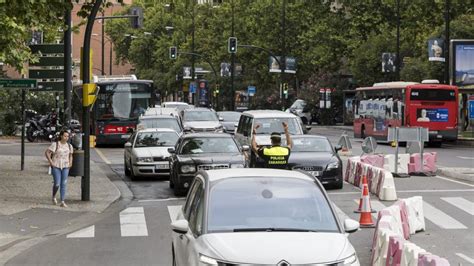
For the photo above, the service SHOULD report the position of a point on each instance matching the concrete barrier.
(381, 248)
(410, 254)
(429, 163)
(404, 218)
(395, 249)
(431, 260)
(380, 181)
(416, 218)
(402, 166)
(376, 160)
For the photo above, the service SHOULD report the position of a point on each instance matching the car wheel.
(171, 180)
(339, 184)
(178, 190)
(126, 170)
(132, 174)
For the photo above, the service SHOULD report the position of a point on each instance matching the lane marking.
(440, 218)
(158, 200)
(132, 222)
(466, 258)
(102, 156)
(465, 158)
(173, 212)
(461, 203)
(439, 190)
(87, 232)
(454, 181)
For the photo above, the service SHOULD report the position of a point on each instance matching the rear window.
(432, 95)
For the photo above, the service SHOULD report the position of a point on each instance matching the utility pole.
(103, 46)
(397, 65)
(67, 67)
(283, 44)
(192, 49)
(447, 7)
(85, 181)
(232, 65)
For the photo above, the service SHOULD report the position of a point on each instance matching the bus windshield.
(122, 101)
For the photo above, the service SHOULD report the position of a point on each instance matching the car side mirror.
(236, 125)
(308, 128)
(350, 226)
(128, 145)
(182, 226)
(245, 147)
(171, 150)
(338, 148)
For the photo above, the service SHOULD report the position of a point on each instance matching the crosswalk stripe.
(132, 222)
(87, 232)
(461, 203)
(440, 218)
(173, 212)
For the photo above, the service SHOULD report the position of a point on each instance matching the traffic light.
(137, 21)
(285, 90)
(232, 45)
(173, 52)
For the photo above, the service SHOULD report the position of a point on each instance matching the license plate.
(125, 136)
(162, 166)
(316, 173)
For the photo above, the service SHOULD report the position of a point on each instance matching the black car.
(316, 155)
(202, 151)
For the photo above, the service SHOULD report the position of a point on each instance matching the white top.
(60, 156)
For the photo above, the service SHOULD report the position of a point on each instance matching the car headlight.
(187, 168)
(237, 165)
(349, 261)
(205, 260)
(333, 165)
(145, 159)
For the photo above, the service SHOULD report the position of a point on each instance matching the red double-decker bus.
(408, 104)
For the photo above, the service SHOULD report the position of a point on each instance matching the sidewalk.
(26, 209)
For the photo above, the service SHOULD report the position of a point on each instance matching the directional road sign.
(17, 83)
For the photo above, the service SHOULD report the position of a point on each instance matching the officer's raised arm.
(254, 141)
(289, 144)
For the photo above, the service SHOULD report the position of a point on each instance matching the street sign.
(47, 48)
(471, 108)
(49, 61)
(17, 83)
(251, 90)
(50, 86)
(46, 73)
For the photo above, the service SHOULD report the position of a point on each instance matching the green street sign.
(50, 86)
(49, 61)
(47, 48)
(18, 83)
(46, 73)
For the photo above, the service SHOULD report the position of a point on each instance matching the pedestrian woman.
(59, 155)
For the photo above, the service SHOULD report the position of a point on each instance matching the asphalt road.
(448, 204)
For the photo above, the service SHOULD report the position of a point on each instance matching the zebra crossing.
(133, 221)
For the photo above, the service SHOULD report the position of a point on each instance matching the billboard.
(432, 115)
(462, 64)
(436, 50)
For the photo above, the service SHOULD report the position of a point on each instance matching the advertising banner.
(471, 107)
(436, 50)
(241, 99)
(290, 65)
(388, 62)
(464, 63)
(432, 115)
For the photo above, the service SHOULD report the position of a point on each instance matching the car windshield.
(200, 116)
(156, 139)
(269, 125)
(230, 116)
(161, 123)
(311, 145)
(298, 104)
(250, 203)
(209, 145)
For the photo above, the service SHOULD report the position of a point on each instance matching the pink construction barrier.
(410, 254)
(395, 249)
(429, 163)
(404, 215)
(431, 260)
(373, 159)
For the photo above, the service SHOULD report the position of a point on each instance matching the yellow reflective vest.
(275, 156)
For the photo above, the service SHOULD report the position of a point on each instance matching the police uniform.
(275, 156)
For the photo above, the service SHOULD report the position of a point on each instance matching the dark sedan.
(202, 151)
(316, 155)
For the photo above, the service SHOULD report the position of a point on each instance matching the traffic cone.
(364, 182)
(365, 220)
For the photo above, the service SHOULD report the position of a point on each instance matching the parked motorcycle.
(42, 127)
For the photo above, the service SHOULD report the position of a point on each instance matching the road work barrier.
(395, 224)
(429, 163)
(380, 181)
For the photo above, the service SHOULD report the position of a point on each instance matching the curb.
(453, 174)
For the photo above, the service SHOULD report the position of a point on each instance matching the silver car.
(260, 217)
(201, 120)
(146, 152)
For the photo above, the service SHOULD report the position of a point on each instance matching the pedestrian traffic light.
(232, 45)
(173, 52)
(137, 19)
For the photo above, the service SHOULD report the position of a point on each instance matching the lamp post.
(232, 64)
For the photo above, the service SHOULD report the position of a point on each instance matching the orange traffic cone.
(365, 220)
(359, 210)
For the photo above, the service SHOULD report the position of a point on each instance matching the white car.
(260, 217)
(146, 152)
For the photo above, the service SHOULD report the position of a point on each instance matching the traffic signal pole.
(85, 181)
(67, 68)
(232, 66)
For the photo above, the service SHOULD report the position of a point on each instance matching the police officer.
(275, 156)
